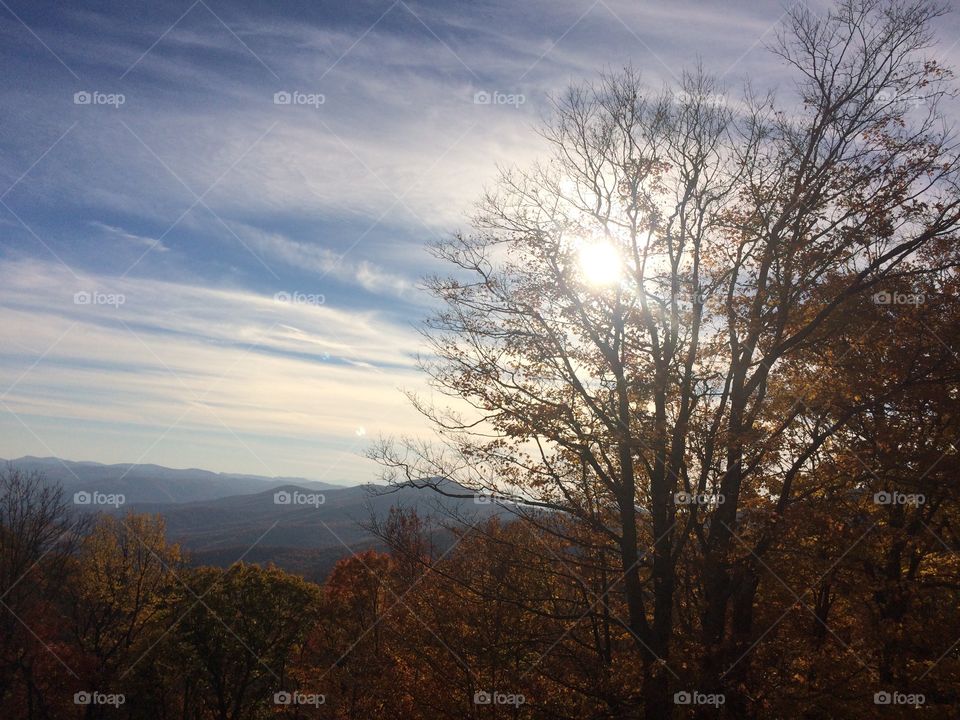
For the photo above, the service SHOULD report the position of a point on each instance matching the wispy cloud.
(170, 362)
(325, 261)
(333, 198)
(116, 232)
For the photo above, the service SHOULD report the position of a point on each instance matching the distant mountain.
(335, 518)
(300, 525)
(293, 528)
(154, 483)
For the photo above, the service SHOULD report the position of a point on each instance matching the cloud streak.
(172, 361)
(200, 365)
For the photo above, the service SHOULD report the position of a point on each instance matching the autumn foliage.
(727, 464)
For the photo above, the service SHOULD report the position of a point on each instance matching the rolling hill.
(300, 525)
(304, 538)
(153, 483)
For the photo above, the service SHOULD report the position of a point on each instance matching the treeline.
(102, 618)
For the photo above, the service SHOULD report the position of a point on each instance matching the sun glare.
(600, 263)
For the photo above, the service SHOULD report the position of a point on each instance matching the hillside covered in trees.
(701, 358)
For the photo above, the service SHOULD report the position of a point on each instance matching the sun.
(600, 263)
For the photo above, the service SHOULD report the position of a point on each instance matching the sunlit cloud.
(160, 358)
(199, 198)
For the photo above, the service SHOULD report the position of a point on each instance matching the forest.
(704, 354)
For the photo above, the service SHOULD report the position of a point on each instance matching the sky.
(213, 215)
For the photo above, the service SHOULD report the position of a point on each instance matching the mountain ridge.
(219, 518)
(148, 482)
(296, 534)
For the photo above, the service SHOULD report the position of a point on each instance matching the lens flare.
(600, 263)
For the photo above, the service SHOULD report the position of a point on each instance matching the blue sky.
(198, 198)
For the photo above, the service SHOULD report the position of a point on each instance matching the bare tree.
(38, 537)
(616, 324)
